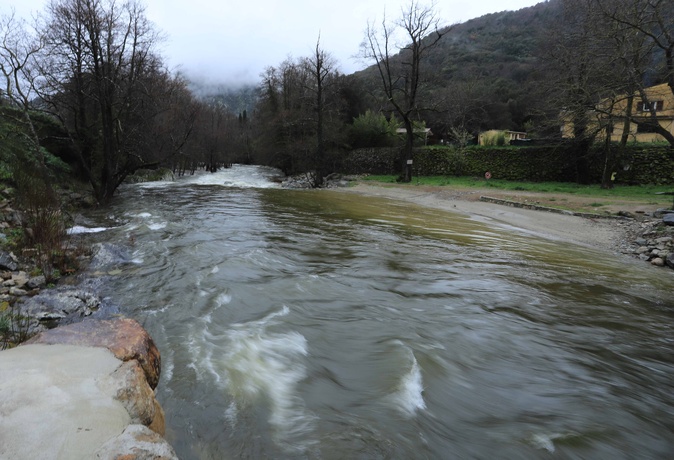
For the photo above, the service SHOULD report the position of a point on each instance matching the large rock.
(137, 442)
(69, 392)
(668, 219)
(130, 387)
(52, 403)
(7, 262)
(53, 307)
(124, 337)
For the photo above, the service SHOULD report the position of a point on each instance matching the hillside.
(487, 71)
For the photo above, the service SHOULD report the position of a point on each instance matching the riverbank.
(610, 233)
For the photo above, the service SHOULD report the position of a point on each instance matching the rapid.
(329, 325)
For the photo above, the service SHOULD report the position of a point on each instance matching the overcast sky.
(232, 41)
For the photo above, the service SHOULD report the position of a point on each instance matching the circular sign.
(487, 175)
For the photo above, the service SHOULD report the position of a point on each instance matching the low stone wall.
(84, 390)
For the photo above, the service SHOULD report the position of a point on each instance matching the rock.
(58, 305)
(36, 282)
(20, 279)
(669, 260)
(130, 386)
(642, 250)
(108, 255)
(52, 403)
(125, 337)
(658, 262)
(668, 219)
(663, 212)
(137, 442)
(17, 291)
(158, 424)
(8, 262)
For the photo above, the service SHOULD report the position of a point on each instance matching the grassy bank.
(560, 195)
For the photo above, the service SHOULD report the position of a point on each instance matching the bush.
(372, 130)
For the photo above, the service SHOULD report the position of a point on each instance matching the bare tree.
(321, 68)
(643, 29)
(98, 62)
(579, 60)
(19, 45)
(401, 75)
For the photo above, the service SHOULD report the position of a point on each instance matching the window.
(645, 128)
(655, 105)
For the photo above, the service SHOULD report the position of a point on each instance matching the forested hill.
(488, 69)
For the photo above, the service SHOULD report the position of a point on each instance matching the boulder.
(108, 255)
(130, 387)
(668, 219)
(52, 403)
(658, 262)
(36, 282)
(7, 262)
(20, 279)
(53, 307)
(137, 442)
(124, 337)
(670, 260)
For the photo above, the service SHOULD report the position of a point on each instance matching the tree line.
(92, 66)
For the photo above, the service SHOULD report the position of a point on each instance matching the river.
(329, 325)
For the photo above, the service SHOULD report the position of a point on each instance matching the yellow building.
(496, 136)
(611, 114)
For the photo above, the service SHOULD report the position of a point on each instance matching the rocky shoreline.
(72, 375)
(649, 237)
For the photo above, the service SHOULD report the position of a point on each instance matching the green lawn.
(639, 192)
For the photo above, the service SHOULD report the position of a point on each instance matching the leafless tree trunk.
(401, 74)
(320, 67)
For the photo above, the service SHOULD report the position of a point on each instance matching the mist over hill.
(490, 64)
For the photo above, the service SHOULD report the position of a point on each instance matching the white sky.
(227, 41)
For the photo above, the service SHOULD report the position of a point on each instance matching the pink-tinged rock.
(137, 442)
(130, 387)
(124, 337)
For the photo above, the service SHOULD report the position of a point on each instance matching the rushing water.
(328, 325)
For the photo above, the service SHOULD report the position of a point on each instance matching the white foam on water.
(546, 441)
(78, 230)
(408, 395)
(542, 441)
(411, 391)
(223, 299)
(267, 366)
(157, 226)
(237, 176)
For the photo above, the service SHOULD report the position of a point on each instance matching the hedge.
(638, 164)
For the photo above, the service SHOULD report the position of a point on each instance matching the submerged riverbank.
(614, 234)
